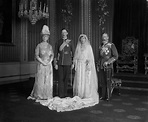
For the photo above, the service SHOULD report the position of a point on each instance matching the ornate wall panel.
(33, 34)
(86, 18)
(51, 22)
(74, 25)
(34, 37)
(10, 52)
(96, 29)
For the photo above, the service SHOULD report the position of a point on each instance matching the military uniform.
(107, 53)
(64, 51)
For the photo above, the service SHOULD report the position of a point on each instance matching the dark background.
(130, 20)
(5, 21)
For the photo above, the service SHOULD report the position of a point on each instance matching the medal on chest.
(104, 50)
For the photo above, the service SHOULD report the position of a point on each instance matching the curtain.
(130, 20)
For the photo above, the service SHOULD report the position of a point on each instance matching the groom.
(64, 52)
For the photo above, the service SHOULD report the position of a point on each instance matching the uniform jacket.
(64, 56)
(107, 52)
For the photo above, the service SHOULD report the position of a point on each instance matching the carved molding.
(102, 13)
(67, 13)
(52, 22)
(86, 17)
(13, 26)
(24, 41)
(20, 71)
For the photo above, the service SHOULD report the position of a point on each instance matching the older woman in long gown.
(43, 86)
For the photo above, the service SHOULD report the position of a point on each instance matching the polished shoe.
(107, 99)
(101, 98)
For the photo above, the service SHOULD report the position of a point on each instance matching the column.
(24, 41)
(86, 17)
(52, 21)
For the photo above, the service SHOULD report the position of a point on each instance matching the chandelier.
(33, 11)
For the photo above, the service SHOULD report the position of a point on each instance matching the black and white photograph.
(73, 60)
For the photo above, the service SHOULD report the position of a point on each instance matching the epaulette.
(109, 44)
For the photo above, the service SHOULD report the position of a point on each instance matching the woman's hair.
(64, 29)
(83, 35)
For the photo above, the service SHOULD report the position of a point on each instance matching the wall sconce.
(32, 11)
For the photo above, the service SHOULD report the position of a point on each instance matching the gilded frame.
(7, 25)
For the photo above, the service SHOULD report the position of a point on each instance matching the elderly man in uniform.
(107, 56)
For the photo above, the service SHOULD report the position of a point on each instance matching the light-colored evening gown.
(43, 86)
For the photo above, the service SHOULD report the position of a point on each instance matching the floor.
(130, 106)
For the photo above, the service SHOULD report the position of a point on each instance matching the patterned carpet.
(14, 107)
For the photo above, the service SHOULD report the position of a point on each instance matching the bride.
(85, 81)
(85, 87)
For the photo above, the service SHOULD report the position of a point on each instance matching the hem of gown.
(67, 104)
(37, 98)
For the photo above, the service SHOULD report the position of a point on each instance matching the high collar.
(104, 44)
(64, 39)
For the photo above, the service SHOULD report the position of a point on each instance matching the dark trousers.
(105, 82)
(64, 75)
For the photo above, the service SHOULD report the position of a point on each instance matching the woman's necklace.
(44, 44)
(82, 47)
